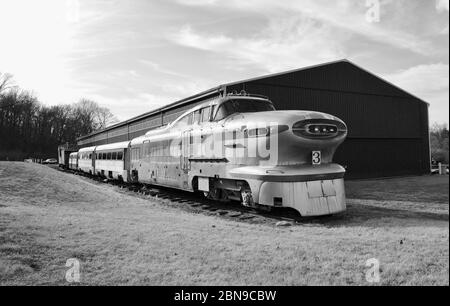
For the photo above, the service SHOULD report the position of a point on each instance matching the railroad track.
(196, 203)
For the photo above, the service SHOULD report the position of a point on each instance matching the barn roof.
(220, 88)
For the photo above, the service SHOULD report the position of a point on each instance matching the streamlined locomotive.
(238, 147)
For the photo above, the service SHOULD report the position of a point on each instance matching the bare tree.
(28, 128)
(6, 82)
(439, 142)
(104, 118)
(93, 115)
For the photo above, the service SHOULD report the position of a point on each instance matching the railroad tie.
(245, 217)
(235, 214)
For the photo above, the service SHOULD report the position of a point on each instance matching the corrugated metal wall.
(138, 127)
(388, 128)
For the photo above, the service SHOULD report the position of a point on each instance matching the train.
(64, 152)
(235, 147)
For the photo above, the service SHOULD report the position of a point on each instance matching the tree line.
(439, 143)
(29, 129)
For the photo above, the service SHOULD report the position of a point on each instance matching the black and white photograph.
(220, 151)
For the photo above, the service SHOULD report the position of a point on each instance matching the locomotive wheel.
(216, 195)
(247, 201)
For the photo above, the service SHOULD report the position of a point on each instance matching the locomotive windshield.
(242, 106)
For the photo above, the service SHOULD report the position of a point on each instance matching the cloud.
(422, 78)
(428, 82)
(158, 68)
(283, 44)
(127, 107)
(197, 2)
(343, 16)
(187, 37)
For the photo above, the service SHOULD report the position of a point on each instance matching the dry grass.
(427, 188)
(48, 216)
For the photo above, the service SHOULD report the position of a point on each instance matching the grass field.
(47, 216)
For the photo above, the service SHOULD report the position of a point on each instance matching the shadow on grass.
(375, 216)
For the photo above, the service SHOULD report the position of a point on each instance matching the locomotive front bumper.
(311, 190)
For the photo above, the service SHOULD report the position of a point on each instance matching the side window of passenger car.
(114, 155)
(119, 155)
(108, 156)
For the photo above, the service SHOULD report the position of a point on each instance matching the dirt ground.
(48, 216)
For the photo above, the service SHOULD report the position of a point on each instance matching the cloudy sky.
(135, 55)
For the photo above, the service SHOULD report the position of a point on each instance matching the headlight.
(317, 128)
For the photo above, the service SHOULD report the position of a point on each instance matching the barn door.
(186, 151)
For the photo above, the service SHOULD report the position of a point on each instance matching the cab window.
(230, 107)
(205, 114)
(197, 116)
(221, 113)
(185, 121)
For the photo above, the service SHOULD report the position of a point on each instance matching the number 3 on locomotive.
(316, 157)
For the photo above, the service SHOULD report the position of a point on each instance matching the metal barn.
(388, 127)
